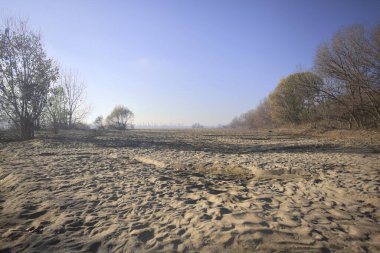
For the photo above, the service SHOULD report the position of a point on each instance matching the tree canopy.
(295, 98)
(120, 118)
(343, 90)
(26, 73)
(350, 66)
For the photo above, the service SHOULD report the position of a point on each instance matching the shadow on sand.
(187, 140)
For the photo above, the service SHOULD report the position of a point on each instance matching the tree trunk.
(350, 123)
(37, 124)
(70, 120)
(55, 126)
(27, 129)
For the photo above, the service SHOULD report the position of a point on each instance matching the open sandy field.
(190, 191)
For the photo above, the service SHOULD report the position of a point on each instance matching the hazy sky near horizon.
(181, 62)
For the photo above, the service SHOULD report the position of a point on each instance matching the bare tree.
(350, 66)
(239, 121)
(99, 122)
(120, 118)
(75, 97)
(56, 109)
(197, 125)
(261, 116)
(26, 74)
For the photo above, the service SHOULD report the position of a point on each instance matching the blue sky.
(181, 62)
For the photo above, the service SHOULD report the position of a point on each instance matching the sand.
(188, 191)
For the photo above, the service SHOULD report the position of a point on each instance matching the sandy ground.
(189, 191)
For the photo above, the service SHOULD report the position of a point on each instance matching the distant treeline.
(342, 90)
(35, 93)
(120, 118)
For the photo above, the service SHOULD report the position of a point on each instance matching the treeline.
(120, 118)
(65, 108)
(342, 90)
(35, 93)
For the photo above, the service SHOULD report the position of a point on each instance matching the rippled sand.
(189, 191)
